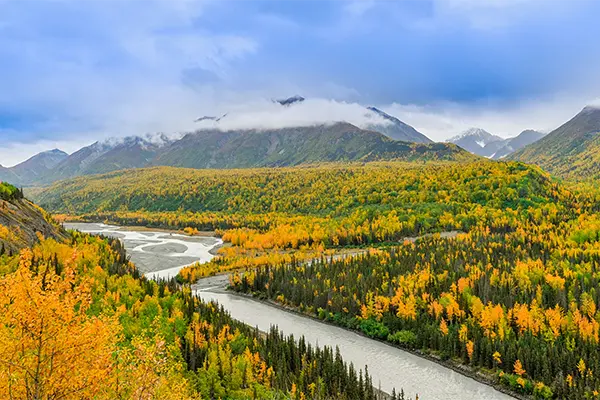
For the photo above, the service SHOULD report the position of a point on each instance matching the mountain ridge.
(33, 168)
(481, 142)
(396, 129)
(214, 148)
(511, 145)
(572, 150)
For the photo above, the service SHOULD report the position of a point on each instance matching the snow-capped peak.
(478, 136)
(475, 133)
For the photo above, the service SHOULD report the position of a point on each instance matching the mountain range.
(212, 148)
(571, 151)
(483, 143)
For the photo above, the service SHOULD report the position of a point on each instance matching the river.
(161, 254)
(158, 254)
(389, 366)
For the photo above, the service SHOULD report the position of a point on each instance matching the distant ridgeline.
(216, 149)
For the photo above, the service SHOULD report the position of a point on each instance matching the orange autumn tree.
(49, 347)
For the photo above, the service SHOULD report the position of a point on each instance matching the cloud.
(264, 114)
(111, 68)
(78, 71)
(175, 111)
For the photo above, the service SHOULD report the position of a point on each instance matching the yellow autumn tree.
(49, 347)
(150, 371)
(518, 368)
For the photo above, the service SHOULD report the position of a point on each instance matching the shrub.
(404, 338)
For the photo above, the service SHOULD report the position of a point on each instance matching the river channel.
(163, 254)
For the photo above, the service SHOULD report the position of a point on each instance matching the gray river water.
(163, 254)
(157, 254)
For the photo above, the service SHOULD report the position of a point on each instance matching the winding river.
(163, 254)
(158, 254)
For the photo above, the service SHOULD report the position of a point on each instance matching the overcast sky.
(75, 71)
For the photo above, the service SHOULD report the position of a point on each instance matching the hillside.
(327, 190)
(21, 221)
(78, 321)
(570, 151)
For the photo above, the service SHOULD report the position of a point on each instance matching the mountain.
(509, 146)
(290, 100)
(393, 128)
(475, 140)
(396, 129)
(572, 150)
(34, 168)
(111, 155)
(7, 175)
(292, 146)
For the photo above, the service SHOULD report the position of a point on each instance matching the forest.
(270, 215)
(490, 265)
(78, 321)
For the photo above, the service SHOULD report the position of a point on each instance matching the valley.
(299, 200)
(291, 222)
(411, 372)
(447, 269)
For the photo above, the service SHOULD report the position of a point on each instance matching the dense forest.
(78, 321)
(517, 298)
(491, 265)
(270, 215)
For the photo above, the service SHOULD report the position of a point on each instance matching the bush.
(9, 192)
(374, 329)
(404, 338)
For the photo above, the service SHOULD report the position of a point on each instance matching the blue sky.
(74, 71)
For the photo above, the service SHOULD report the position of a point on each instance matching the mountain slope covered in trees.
(570, 151)
(304, 210)
(294, 146)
